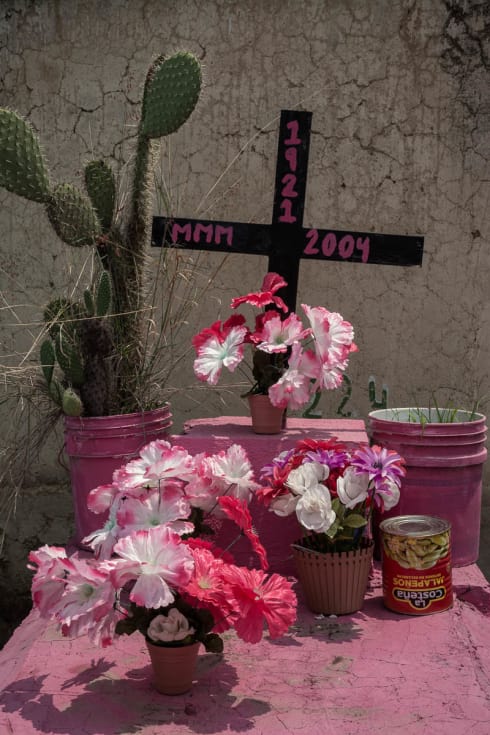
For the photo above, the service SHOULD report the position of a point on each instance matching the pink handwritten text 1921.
(288, 181)
(346, 246)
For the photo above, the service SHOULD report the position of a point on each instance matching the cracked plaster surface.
(400, 144)
(399, 93)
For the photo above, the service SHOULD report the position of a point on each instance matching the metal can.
(416, 564)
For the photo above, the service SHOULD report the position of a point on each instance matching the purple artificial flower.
(280, 461)
(382, 465)
(333, 458)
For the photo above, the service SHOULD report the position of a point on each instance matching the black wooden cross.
(286, 241)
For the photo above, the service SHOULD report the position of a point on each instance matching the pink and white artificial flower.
(88, 588)
(277, 335)
(165, 506)
(334, 336)
(295, 387)
(52, 566)
(228, 472)
(156, 560)
(219, 351)
(102, 497)
(231, 473)
(158, 461)
(103, 539)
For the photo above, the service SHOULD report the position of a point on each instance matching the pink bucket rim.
(81, 422)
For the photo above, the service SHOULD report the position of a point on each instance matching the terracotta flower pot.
(173, 667)
(334, 583)
(266, 418)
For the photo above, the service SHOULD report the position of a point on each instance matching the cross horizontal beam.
(303, 242)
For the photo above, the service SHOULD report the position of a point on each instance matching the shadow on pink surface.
(106, 704)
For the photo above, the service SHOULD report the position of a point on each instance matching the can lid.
(415, 526)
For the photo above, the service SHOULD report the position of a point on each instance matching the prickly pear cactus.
(88, 340)
(22, 167)
(72, 216)
(80, 349)
(101, 188)
(171, 94)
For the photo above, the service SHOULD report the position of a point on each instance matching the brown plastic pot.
(334, 583)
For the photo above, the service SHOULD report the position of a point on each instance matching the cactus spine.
(98, 345)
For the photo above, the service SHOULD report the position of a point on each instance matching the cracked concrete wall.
(400, 102)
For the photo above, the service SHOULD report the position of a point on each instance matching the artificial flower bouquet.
(155, 567)
(291, 362)
(332, 488)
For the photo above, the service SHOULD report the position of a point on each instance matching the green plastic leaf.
(354, 520)
(333, 529)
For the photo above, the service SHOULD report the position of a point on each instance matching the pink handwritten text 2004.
(346, 246)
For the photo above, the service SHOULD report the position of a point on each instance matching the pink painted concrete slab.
(375, 673)
(277, 534)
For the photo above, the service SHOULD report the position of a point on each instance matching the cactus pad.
(71, 403)
(69, 359)
(171, 94)
(101, 188)
(22, 167)
(72, 216)
(47, 356)
(103, 297)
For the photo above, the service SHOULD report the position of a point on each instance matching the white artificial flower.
(171, 627)
(389, 493)
(307, 476)
(314, 509)
(284, 505)
(352, 488)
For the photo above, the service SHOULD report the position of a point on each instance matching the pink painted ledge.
(375, 673)
(277, 534)
(372, 673)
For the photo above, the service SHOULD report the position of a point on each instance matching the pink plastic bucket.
(444, 470)
(96, 446)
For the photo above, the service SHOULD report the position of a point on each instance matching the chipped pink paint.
(373, 673)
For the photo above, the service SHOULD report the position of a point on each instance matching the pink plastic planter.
(444, 471)
(97, 446)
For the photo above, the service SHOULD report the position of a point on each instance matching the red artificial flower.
(260, 598)
(271, 283)
(218, 330)
(239, 513)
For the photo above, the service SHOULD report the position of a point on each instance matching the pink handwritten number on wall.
(288, 191)
(346, 245)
